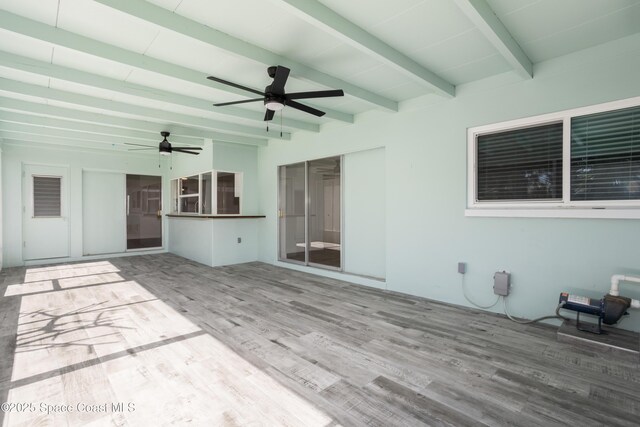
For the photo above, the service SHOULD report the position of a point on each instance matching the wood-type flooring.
(161, 340)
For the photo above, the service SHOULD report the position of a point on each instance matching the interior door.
(144, 211)
(45, 210)
(291, 213)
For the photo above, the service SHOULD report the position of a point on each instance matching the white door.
(45, 212)
(103, 213)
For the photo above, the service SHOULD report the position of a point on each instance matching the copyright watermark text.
(62, 408)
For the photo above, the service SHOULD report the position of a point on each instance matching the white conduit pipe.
(615, 286)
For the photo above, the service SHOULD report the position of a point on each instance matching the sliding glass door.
(144, 212)
(310, 213)
(291, 213)
(324, 212)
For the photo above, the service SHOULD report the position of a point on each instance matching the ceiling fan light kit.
(274, 96)
(273, 105)
(165, 146)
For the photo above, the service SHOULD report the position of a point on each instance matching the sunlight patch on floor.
(64, 271)
(28, 288)
(87, 344)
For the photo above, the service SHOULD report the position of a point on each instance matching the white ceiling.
(92, 56)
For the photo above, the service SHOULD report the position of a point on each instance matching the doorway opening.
(144, 212)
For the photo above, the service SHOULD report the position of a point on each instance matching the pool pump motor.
(609, 309)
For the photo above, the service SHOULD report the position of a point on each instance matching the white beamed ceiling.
(435, 34)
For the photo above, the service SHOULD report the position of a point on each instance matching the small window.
(189, 186)
(521, 164)
(189, 191)
(213, 192)
(46, 196)
(605, 156)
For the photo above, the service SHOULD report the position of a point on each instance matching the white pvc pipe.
(615, 283)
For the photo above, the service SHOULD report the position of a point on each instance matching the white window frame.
(213, 195)
(186, 196)
(565, 208)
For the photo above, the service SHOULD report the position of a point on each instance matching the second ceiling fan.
(274, 96)
(165, 148)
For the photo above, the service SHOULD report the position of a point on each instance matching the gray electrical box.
(462, 267)
(501, 283)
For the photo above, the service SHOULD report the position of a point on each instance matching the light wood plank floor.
(179, 343)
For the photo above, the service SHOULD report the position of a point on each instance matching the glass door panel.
(291, 213)
(324, 212)
(144, 212)
(228, 202)
(205, 194)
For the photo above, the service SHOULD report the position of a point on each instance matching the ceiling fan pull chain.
(281, 114)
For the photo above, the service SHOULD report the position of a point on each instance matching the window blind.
(521, 164)
(605, 156)
(46, 196)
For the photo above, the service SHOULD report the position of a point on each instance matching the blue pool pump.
(609, 309)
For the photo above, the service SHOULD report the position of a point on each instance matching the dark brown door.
(144, 211)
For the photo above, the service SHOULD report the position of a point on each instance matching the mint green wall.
(216, 155)
(427, 232)
(191, 238)
(188, 164)
(76, 159)
(214, 242)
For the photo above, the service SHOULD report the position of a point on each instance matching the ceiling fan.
(165, 147)
(274, 96)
